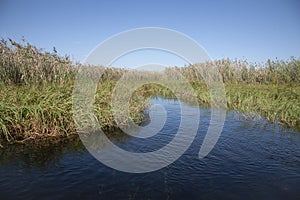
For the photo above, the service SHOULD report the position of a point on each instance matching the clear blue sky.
(256, 30)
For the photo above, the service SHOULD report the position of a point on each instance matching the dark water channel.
(251, 160)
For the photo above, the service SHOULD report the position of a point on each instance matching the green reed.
(36, 91)
(33, 112)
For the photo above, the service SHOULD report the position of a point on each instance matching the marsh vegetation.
(36, 91)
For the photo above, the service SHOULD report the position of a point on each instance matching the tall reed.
(36, 90)
(26, 64)
(239, 71)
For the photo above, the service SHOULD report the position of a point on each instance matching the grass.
(36, 91)
(276, 103)
(33, 112)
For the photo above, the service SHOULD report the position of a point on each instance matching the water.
(251, 160)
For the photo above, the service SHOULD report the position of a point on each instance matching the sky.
(252, 30)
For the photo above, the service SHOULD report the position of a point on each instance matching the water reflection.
(42, 154)
(252, 160)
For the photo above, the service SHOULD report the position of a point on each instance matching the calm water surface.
(252, 160)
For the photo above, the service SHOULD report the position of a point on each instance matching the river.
(252, 159)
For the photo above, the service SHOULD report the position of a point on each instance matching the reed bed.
(36, 91)
(276, 103)
(26, 64)
(34, 112)
(239, 71)
(36, 94)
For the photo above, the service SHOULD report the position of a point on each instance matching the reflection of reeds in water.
(49, 150)
(40, 154)
(37, 86)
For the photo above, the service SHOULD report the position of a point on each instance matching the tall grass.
(36, 94)
(33, 112)
(26, 64)
(239, 71)
(270, 90)
(36, 91)
(277, 103)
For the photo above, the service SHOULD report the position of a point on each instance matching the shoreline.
(36, 91)
(41, 116)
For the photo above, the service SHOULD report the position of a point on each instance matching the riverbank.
(36, 92)
(36, 112)
(32, 112)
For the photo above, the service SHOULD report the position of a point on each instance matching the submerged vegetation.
(36, 91)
